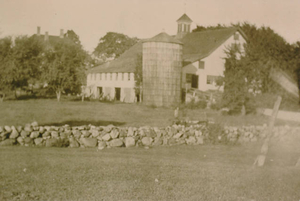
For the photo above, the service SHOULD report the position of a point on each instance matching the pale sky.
(92, 19)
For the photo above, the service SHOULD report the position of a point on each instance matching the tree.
(70, 34)
(64, 67)
(112, 45)
(20, 62)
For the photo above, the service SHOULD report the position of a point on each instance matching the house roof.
(196, 46)
(184, 18)
(163, 37)
(50, 37)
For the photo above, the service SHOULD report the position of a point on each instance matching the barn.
(170, 63)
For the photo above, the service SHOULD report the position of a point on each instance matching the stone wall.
(112, 136)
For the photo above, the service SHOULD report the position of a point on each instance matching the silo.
(162, 67)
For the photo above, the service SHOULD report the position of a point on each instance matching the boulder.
(76, 133)
(46, 134)
(108, 128)
(28, 128)
(158, 141)
(20, 140)
(101, 145)
(191, 140)
(89, 142)
(114, 133)
(116, 143)
(106, 137)
(130, 132)
(24, 133)
(1, 129)
(200, 140)
(95, 133)
(54, 134)
(73, 143)
(38, 141)
(151, 133)
(52, 142)
(14, 134)
(34, 124)
(147, 141)
(122, 132)
(85, 133)
(7, 128)
(129, 142)
(34, 134)
(178, 135)
(165, 141)
(28, 141)
(8, 142)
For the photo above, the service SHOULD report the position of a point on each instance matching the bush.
(216, 134)
(201, 104)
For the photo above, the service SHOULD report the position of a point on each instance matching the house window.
(188, 78)
(184, 27)
(201, 64)
(211, 79)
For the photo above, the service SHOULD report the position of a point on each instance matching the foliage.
(216, 134)
(64, 66)
(201, 104)
(20, 62)
(112, 45)
(70, 34)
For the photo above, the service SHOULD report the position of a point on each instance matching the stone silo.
(162, 67)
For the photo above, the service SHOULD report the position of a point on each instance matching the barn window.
(201, 64)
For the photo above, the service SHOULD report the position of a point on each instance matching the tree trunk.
(58, 94)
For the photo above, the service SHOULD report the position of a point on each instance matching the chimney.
(46, 36)
(38, 33)
(61, 33)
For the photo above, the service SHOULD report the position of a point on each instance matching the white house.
(202, 62)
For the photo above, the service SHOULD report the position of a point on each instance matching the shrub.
(216, 134)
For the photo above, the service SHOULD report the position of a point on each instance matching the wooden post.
(260, 160)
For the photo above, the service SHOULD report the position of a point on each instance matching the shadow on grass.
(81, 123)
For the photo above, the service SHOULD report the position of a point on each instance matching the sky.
(92, 19)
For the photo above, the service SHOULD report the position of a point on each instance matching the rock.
(198, 133)
(114, 133)
(73, 143)
(106, 137)
(20, 140)
(165, 141)
(89, 142)
(46, 134)
(172, 141)
(108, 128)
(130, 132)
(28, 128)
(38, 141)
(129, 142)
(52, 142)
(42, 129)
(1, 129)
(54, 134)
(85, 133)
(28, 141)
(95, 133)
(101, 145)
(191, 140)
(147, 141)
(24, 133)
(200, 140)
(76, 134)
(158, 141)
(116, 143)
(34, 134)
(63, 142)
(8, 142)
(7, 128)
(122, 132)
(14, 134)
(178, 135)
(34, 124)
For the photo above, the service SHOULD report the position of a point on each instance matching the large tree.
(112, 45)
(20, 61)
(64, 67)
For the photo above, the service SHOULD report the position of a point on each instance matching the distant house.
(201, 57)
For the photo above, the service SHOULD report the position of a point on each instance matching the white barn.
(202, 62)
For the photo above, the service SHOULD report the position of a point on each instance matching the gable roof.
(196, 46)
(184, 18)
(124, 64)
(163, 37)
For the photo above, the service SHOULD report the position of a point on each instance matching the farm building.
(170, 64)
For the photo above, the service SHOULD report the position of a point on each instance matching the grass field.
(51, 112)
(161, 173)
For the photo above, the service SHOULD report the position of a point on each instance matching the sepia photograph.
(150, 100)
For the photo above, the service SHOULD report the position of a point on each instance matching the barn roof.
(163, 37)
(196, 46)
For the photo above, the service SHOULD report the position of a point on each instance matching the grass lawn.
(51, 112)
(161, 173)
